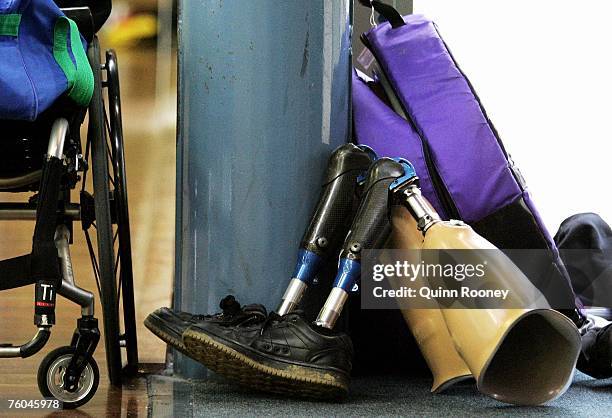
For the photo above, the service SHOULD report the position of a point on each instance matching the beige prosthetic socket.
(519, 356)
(427, 325)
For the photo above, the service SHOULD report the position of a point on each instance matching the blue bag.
(42, 56)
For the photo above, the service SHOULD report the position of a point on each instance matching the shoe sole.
(172, 340)
(291, 379)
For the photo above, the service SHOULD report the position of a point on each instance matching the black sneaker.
(285, 355)
(596, 355)
(169, 324)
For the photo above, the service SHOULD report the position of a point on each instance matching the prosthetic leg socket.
(506, 350)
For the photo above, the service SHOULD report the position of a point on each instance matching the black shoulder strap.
(386, 11)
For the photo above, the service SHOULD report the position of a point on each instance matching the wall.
(263, 101)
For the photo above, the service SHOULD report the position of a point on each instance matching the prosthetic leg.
(330, 220)
(370, 228)
(326, 229)
(505, 349)
(427, 325)
(289, 354)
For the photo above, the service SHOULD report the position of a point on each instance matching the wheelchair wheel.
(51, 378)
(122, 217)
(105, 212)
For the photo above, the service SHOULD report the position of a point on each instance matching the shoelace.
(275, 318)
(231, 307)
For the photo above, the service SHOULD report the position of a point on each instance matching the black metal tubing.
(17, 211)
(82, 297)
(20, 181)
(35, 344)
(28, 349)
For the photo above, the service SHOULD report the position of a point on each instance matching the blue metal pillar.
(263, 100)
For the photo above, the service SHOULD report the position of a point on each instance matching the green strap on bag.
(80, 77)
(9, 24)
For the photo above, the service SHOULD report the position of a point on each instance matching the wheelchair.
(46, 159)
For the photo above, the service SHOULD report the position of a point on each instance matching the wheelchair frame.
(105, 212)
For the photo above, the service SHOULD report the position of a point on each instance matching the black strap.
(386, 11)
(44, 261)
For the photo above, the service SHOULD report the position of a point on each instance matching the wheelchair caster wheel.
(51, 378)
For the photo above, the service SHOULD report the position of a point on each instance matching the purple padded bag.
(368, 106)
(465, 171)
